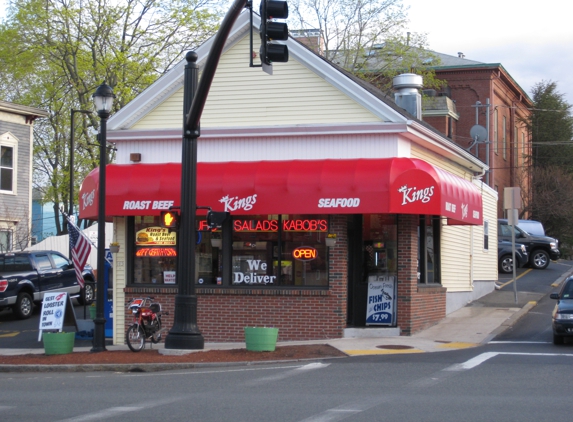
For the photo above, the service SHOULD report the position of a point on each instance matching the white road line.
(199, 371)
(346, 410)
(286, 374)
(479, 359)
(115, 411)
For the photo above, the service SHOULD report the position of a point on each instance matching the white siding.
(119, 277)
(464, 259)
(256, 149)
(244, 96)
(439, 161)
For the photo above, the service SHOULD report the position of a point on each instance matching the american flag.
(81, 249)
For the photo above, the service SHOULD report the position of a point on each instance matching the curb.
(508, 323)
(147, 367)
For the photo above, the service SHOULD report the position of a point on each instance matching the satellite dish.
(478, 133)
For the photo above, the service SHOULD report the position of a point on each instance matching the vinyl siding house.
(16, 145)
(305, 155)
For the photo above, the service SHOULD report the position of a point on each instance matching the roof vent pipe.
(407, 93)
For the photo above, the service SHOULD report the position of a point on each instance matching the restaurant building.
(347, 213)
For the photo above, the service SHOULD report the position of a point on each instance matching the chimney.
(407, 93)
(461, 55)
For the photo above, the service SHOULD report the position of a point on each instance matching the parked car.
(541, 249)
(532, 227)
(25, 277)
(505, 256)
(562, 317)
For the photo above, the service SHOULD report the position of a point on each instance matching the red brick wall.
(418, 306)
(308, 314)
(298, 314)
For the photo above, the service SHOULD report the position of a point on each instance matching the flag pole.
(82, 233)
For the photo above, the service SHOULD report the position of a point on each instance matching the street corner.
(389, 349)
(456, 345)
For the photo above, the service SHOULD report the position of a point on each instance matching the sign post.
(512, 202)
(55, 313)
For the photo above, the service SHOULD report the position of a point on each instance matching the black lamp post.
(103, 101)
(185, 333)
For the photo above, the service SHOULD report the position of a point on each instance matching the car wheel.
(87, 294)
(558, 339)
(539, 259)
(24, 306)
(506, 264)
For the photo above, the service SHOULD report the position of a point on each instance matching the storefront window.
(429, 250)
(380, 247)
(280, 250)
(265, 251)
(155, 252)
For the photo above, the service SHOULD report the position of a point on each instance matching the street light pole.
(103, 100)
(185, 333)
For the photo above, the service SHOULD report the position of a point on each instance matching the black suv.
(541, 249)
(25, 277)
(505, 256)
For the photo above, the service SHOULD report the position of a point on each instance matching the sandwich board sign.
(57, 310)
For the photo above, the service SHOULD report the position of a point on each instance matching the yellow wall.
(244, 96)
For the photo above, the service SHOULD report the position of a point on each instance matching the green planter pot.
(58, 343)
(261, 339)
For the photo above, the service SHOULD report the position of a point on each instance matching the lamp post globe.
(103, 100)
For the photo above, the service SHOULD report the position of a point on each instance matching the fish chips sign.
(381, 303)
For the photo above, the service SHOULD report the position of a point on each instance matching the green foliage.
(551, 127)
(54, 54)
(368, 38)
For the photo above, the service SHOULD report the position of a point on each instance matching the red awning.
(358, 186)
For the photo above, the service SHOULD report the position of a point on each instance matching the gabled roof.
(31, 113)
(370, 98)
(362, 93)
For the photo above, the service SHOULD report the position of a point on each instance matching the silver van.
(532, 227)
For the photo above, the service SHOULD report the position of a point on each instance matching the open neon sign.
(304, 253)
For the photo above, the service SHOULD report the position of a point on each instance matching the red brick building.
(485, 94)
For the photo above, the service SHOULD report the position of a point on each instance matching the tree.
(54, 54)
(551, 127)
(552, 204)
(367, 38)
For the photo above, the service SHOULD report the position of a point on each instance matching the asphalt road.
(23, 334)
(519, 375)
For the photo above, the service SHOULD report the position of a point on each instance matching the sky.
(533, 40)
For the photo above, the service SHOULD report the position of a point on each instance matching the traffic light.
(169, 219)
(215, 219)
(273, 31)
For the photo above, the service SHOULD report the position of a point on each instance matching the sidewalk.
(470, 326)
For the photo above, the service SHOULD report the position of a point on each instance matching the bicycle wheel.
(135, 338)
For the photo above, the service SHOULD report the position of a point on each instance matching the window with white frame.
(523, 153)
(8, 157)
(5, 240)
(495, 132)
(504, 139)
(486, 235)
